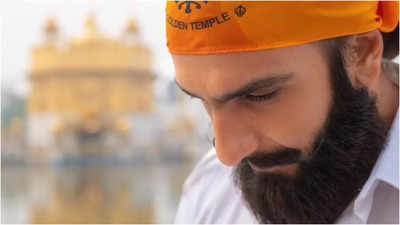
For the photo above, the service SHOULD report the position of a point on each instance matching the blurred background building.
(99, 134)
(86, 92)
(92, 98)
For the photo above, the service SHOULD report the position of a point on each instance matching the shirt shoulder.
(210, 196)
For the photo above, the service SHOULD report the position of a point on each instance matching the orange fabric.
(209, 27)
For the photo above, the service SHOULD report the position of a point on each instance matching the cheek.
(297, 116)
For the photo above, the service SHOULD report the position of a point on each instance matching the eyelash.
(261, 98)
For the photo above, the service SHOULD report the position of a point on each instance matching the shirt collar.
(387, 167)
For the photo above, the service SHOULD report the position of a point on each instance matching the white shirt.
(209, 195)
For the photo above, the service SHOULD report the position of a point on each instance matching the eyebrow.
(269, 82)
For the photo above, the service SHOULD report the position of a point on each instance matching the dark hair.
(391, 44)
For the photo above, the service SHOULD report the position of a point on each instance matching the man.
(303, 101)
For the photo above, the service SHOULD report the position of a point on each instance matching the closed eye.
(261, 98)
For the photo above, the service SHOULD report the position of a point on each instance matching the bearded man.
(303, 100)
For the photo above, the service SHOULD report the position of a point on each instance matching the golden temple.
(90, 83)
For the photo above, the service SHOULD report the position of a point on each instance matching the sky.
(22, 21)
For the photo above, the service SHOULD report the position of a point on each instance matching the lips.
(266, 161)
(268, 169)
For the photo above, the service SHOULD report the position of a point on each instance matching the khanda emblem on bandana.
(240, 11)
(188, 5)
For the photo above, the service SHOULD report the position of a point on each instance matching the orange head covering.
(209, 27)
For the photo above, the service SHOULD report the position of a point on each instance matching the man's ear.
(362, 56)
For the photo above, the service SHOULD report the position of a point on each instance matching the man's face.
(303, 141)
(261, 101)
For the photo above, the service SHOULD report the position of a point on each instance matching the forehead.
(212, 74)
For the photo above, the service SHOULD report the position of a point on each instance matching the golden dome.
(50, 27)
(90, 28)
(131, 26)
(90, 24)
(90, 31)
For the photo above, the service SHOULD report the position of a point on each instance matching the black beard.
(344, 153)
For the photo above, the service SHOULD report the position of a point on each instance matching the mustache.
(282, 156)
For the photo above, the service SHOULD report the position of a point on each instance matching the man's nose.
(234, 139)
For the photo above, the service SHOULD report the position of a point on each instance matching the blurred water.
(95, 194)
